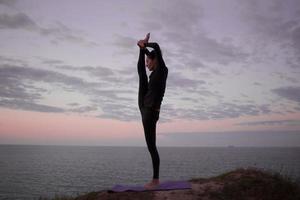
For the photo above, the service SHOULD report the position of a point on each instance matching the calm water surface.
(28, 172)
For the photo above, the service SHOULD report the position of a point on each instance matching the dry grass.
(253, 183)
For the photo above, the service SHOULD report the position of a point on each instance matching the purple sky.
(226, 59)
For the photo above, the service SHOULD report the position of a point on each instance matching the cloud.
(124, 41)
(208, 93)
(58, 32)
(114, 102)
(270, 123)
(123, 112)
(17, 73)
(291, 92)
(109, 77)
(17, 21)
(11, 60)
(28, 105)
(189, 11)
(221, 111)
(273, 24)
(99, 71)
(61, 32)
(73, 104)
(257, 83)
(211, 50)
(182, 39)
(51, 61)
(286, 77)
(82, 109)
(125, 45)
(18, 86)
(187, 36)
(268, 18)
(9, 3)
(13, 88)
(178, 81)
(155, 26)
(295, 38)
(18, 91)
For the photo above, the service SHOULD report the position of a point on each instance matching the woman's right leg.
(143, 79)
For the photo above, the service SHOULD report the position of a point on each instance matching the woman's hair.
(152, 55)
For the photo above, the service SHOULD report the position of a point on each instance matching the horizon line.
(78, 145)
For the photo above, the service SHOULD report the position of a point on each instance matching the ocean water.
(30, 172)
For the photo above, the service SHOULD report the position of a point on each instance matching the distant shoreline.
(228, 146)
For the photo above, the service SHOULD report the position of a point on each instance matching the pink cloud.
(17, 125)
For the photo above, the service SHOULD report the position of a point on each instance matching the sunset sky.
(68, 72)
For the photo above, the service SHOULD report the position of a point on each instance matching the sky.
(68, 72)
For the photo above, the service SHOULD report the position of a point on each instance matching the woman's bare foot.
(147, 38)
(153, 184)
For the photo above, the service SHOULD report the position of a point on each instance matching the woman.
(150, 97)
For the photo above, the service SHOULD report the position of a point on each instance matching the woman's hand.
(141, 43)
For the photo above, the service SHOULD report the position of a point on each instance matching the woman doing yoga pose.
(150, 97)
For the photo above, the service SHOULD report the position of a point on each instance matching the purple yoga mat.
(167, 185)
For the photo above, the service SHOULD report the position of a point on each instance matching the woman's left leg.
(150, 119)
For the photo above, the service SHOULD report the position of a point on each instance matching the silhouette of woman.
(150, 97)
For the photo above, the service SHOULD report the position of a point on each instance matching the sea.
(33, 171)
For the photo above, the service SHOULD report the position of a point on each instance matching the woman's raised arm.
(156, 47)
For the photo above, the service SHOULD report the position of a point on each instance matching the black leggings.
(149, 118)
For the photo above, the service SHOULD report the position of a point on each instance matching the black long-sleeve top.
(157, 79)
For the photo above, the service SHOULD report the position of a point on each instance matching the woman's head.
(151, 61)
